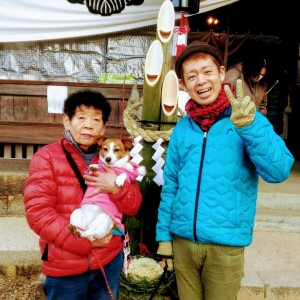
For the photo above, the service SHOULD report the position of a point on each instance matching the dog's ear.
(127, 143)
(101, 140)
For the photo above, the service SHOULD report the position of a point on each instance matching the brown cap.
(195, 47)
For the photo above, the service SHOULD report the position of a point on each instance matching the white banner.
(32, 20)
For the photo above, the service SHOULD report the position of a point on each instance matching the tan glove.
(165, 250)
(243, 109)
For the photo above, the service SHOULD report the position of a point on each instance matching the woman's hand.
(103, 242)
(103, 182)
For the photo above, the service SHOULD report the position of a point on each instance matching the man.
(252, 73)
(214, 158)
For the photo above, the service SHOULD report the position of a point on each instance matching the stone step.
(289, 186)
(15, 233)
(270, 286)
(269, 202)
(278, 220)
(284, 195)
(274, 200)
(272, 261)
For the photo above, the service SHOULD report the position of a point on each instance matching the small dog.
(97, 215)
(115, 153)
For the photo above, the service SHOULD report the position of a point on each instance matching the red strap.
(106, 281)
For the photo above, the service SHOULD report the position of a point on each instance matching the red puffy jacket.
(52, 192)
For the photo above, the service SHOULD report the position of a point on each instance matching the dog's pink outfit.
(103, 200)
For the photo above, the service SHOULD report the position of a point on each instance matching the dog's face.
(114, 151)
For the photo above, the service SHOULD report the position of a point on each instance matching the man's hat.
(195, 47)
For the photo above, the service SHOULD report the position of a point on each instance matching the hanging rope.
(135, 130)
(122, 107)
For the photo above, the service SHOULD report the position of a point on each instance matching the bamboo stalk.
(152, 110)
(167, 66)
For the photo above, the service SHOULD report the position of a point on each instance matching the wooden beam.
(39, 88)
(41, 133)
(14, 165)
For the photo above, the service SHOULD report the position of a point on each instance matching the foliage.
(133, 226)
(143, 279)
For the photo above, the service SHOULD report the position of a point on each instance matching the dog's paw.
(93, 167)
(141, 170)
(121, 179)
(74, 230)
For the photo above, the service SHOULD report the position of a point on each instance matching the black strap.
(84, 187)
(45, 253)
(75, 169)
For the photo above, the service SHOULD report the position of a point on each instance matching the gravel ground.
(20, 288)
(28, 288)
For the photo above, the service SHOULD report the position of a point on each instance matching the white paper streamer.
(157, 168)
(136, 149)
(159, 164)
(137, 159)
(158, 153)
(135, 156)
(157, 144)
(158, 179)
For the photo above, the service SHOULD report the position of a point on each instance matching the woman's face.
(260, 76)
(86, 126)
(202, 78)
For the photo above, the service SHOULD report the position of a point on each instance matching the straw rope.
(135, 130)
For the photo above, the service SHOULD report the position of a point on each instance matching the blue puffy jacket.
(211, 179)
